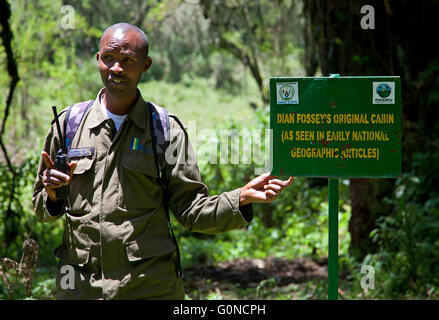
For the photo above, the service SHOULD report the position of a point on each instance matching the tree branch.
(6, 36)
(247, 61)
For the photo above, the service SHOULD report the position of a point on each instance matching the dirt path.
(249, 272)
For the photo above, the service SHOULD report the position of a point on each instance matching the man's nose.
(116, 67)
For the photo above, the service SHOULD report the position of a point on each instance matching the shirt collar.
(138, 114)
(97, 115)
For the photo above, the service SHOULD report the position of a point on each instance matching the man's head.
(122, 58)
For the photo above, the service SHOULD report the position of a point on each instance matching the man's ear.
(97, 56)
(148, 63)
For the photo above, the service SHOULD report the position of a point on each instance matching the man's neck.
(119, 105)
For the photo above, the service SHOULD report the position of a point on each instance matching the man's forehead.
(120, 38)
(118, 34)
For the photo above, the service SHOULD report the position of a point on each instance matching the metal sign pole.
(333, 240)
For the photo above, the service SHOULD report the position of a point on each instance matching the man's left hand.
(264, 188)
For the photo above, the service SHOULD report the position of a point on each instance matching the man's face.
(122, 60)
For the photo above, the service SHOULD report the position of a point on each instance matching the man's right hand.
(52, 178)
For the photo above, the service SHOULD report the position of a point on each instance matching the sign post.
(336, 127)
(333, 240)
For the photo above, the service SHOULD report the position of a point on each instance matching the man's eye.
(106, 58)
(127, 59)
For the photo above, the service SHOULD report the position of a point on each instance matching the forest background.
(211, 64)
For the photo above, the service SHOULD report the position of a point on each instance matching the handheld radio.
(61, 159)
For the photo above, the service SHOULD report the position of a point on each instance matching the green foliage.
(193, 99)
(45, 286)
(23, 222)
(408, 242)
(15, 229)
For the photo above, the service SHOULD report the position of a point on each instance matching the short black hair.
(124, 26)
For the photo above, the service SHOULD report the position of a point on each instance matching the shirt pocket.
(139, 188)
(71, 256)
(75, 260)
(153, 257)
(82, 186)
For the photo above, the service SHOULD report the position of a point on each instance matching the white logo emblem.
(383, 93)
(287, 93)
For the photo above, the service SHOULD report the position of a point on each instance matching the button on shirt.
(116, 235)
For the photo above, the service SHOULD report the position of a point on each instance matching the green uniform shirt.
(116, 236)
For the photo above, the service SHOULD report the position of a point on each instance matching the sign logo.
(383, 93)
(384, 90)
(287, 93)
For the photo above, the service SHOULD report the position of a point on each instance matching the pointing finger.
(47, 160)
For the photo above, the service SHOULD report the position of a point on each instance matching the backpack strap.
(159, 124)
(72, 120)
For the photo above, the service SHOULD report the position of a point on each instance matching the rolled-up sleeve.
(188, 196)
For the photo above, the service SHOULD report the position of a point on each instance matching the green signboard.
(336, 127)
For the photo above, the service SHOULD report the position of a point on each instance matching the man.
(116, 237)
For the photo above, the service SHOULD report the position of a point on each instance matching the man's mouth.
(115, 80)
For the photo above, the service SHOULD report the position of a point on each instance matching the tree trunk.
(367, 204)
